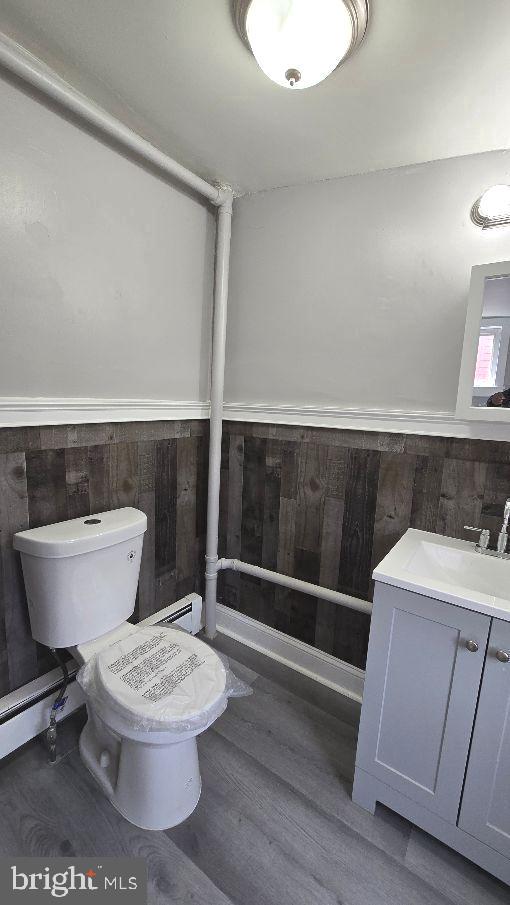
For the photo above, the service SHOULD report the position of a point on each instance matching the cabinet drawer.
(420, 696)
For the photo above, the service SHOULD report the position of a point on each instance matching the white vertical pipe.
(217, 385)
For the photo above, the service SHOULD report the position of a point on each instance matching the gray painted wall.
(353, 292)
(105, 269)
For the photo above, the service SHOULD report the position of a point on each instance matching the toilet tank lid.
(82, 535)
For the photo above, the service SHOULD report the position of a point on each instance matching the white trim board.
(309, 661)
(24, 411)
(440, 424)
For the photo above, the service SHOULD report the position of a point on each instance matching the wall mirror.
(484, 384)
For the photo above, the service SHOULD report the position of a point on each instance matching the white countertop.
(448, 569)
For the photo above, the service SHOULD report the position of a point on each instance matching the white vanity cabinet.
(434, 741)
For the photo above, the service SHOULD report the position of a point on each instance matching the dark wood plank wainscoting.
(48, 474)
(326, 505)
(323, 505)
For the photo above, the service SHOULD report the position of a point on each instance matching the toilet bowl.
(150, 690)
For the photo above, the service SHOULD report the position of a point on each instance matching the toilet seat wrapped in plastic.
(160, 679)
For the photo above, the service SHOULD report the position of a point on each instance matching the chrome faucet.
(503, 535)
(482, 546)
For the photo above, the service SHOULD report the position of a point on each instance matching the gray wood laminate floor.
(275, 824)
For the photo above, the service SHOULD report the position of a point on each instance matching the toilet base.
(154, 786)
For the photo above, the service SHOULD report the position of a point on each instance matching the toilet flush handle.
(104, 759)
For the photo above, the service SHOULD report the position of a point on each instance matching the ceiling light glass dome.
(298, 43)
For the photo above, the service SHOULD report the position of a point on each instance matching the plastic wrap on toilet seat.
(160, 678)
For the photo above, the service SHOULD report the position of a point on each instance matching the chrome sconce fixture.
(298, 43)
(492, 208)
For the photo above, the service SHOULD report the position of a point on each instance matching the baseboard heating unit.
(25, 712)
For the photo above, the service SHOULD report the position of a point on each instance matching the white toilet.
(150, 689)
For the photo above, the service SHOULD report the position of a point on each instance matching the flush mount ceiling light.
(298, 43)
(492, 208)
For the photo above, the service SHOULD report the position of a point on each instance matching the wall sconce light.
(298, 43)
(492, 208)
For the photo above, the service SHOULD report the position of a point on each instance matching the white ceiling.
(431, 80)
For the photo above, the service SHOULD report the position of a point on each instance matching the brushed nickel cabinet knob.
(503, 656)
(472, 646)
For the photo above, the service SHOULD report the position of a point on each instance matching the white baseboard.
(22, 411)
(309, 661)
(441, 424)
(305, 659)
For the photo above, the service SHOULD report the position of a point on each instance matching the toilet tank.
(81, 575)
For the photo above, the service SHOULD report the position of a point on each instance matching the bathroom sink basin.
(448, 569)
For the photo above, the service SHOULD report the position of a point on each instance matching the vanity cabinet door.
(485, 811)
(420, 695)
